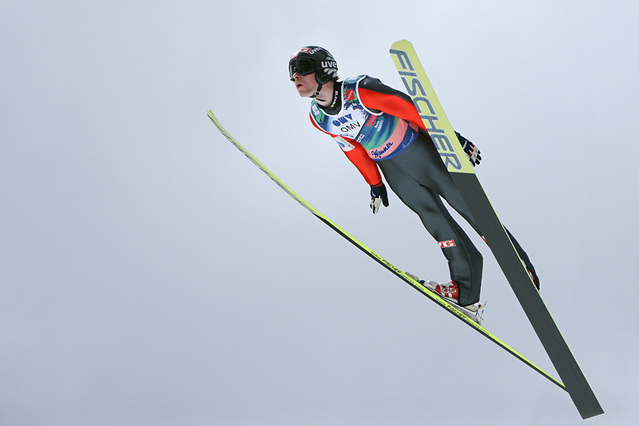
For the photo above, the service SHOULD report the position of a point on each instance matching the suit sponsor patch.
(344, 144)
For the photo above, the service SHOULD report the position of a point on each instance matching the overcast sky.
(151, 275)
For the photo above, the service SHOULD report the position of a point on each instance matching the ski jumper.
(378, 127)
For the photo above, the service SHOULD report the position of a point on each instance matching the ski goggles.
(301, 66)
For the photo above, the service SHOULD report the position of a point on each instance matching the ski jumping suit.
(376, 125)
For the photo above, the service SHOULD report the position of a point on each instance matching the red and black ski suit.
(379, 128)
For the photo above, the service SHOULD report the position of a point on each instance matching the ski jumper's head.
(313, 59)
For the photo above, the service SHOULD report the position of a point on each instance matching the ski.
(452, 154)
(455, 310)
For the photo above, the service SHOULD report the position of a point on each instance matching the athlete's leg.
(464, 260)
(423, 152)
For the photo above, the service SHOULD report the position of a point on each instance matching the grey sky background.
(151, 275)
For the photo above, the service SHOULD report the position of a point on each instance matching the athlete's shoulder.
(375, 85)
(368, 80)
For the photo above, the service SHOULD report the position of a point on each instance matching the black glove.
(474, 155)
(378, 196)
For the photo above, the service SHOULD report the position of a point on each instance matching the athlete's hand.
(378, 196)
(474, 155)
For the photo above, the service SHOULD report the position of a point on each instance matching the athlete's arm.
(378, 97)
(357, 154)
(369, 169)
(366, 166)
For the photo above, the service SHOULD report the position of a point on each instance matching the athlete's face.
(305, 84)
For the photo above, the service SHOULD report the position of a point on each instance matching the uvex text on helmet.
(315, 59)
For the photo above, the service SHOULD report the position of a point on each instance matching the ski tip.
(401, 44)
